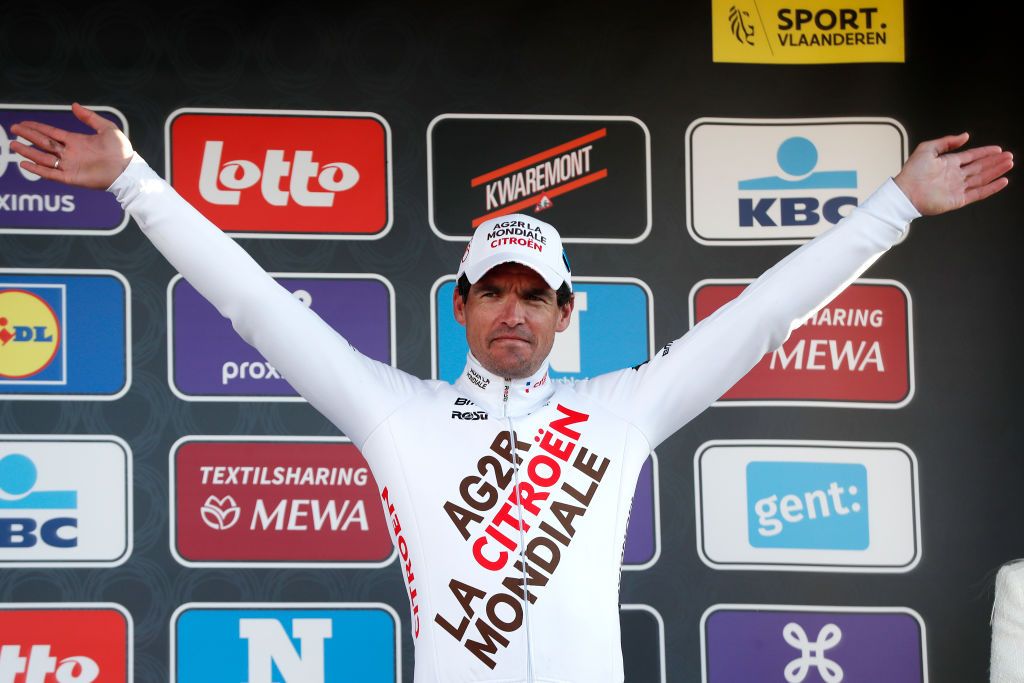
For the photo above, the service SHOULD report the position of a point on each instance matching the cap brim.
(480, 268)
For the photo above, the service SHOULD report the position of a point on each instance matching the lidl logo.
(277, 173)
(285, 643)
(64, 334)
(30, 333)
(807, 644)
(766, 181)
(64, 501)
(65, 643)
(824, 506)
(30, 204)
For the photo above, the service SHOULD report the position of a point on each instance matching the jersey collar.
(504, 397)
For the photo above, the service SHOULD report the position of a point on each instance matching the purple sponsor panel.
(209, 360)
(773, 643)
(642, 545)
(30, 204)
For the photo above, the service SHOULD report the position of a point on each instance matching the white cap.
(521, 239)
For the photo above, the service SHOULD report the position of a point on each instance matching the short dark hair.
(562, 294)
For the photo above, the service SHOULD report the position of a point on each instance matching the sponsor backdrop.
(169, 508)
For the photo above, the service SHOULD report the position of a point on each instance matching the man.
(511, 528)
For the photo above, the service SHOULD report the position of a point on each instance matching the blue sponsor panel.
(285, 644)
(63, 334)
(808, 505)
(610, 330)
(31, 204)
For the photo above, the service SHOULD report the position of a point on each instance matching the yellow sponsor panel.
(810, 32)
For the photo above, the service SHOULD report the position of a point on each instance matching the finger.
(40, 130)
(91, 118)
(969, 155)
(944, 144)
(985, 191)
(33, 154)
(48, 172)
(985, 171)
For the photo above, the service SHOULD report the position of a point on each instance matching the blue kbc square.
(610, 330)
(812, 505)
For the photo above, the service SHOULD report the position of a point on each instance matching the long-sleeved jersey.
(508, 499)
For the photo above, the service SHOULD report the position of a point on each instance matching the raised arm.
(353, 391)
(685, 377)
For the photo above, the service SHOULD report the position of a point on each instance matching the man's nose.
(512, 311)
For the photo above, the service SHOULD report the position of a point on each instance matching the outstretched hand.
(92, 161)
(937, 179)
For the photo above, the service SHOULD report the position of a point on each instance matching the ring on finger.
(56, 163)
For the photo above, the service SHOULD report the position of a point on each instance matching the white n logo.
(269, 644)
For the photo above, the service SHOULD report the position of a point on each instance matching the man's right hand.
(93, 161)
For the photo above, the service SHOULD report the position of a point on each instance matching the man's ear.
(565, 314)
(458, 307)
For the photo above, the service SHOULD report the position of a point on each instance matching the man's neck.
(503, 396)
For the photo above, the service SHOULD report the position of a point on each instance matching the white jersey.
(508, 500)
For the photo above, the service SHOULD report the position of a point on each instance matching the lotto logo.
(287, 643)
(66, 643)
(760, 181)
(259, 173)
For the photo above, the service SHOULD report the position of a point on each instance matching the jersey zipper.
(522, 534)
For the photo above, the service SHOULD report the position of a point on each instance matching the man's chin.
(517, 368)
